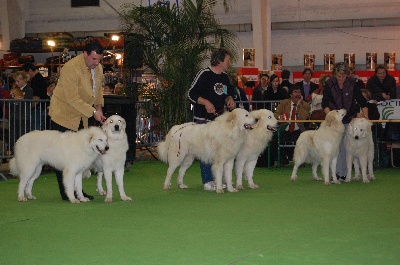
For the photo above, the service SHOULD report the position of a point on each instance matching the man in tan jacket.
(78, 96)
(293, 108)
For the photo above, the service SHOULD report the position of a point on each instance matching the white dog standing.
(320, 147)
(255, 142)
(216, 142)
(71, 152)
(114, 160)
(359, 147)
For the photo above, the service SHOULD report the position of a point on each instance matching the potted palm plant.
(175, 42)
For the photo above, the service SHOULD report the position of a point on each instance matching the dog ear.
(330, 119)
(231, 118)
(350, 128)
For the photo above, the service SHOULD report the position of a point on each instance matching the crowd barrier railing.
(21, 116)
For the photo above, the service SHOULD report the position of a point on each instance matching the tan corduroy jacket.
(73, 98)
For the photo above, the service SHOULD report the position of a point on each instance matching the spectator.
(307, 87)
(19, 111)
(259, 91)
(360, 84)
(286, 85)
(274, 91)
(39, 87)
(210, 94)
(373, 112)
(109, 89)
(50, 88)
(341, 92)
(315, 98)
(293, 108)
(119, 89)
(240, 95)
(382, 85)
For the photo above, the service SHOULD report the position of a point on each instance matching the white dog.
(320, 147)
(71, 152)
(359, 147)
(255, 142)
(114, 160)
(216, 142)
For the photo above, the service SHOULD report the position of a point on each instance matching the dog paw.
(101, 192)
(357, 178)
(293, 178)
(126, 198)
(108, 200)
(239, 187)
(371, 177)
(31, 197)
(84, 199)
(167, 187)
(232, 190)
(366, 181)
(327, 183)
(220, 190)
(22, 199)
(75, 201)
(183, 186)
(347, 179)
(316, 178)
(253, 187)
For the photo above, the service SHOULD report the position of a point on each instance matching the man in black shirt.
(39, 87)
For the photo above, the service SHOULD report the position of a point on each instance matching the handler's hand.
(209, 107)
(230, 103)
(98, 116)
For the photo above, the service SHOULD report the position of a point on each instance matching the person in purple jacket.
(341, 92)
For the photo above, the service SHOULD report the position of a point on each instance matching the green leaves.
(176, 41)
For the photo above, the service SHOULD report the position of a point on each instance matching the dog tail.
(14, 170)
(163, 150)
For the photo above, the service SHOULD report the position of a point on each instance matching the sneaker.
(210, 186)
(341, 178)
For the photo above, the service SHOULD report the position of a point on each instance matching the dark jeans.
(206, 172)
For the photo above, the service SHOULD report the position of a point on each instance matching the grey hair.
(340, 68)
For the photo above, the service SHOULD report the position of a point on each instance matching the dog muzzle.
(248, 126)
(102, 151)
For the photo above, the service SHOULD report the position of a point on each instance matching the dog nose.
(356, 137)
(116, 127)
(107, 148)
(256, 120)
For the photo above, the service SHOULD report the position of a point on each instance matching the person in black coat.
(382, 85)
(307, 87)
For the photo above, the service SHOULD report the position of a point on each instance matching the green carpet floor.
(283, 222)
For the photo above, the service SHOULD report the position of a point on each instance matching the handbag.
(318, 115)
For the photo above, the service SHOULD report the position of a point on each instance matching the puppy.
(71, 152)
(359, 147)
(114, 160)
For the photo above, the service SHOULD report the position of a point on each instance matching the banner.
(389, 109)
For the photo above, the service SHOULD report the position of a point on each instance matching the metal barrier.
(24, 115)
(20, 116)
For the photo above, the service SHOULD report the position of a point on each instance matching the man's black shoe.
(340, 178)
(65, 197)
(90, 197)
